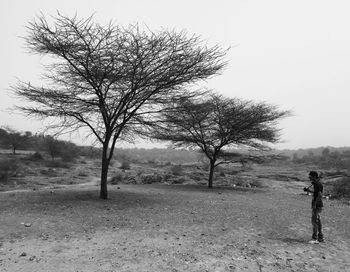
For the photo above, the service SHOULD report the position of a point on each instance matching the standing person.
(316, 205)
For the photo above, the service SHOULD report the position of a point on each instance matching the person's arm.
(307, 189)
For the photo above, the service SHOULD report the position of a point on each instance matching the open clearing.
(168, 228)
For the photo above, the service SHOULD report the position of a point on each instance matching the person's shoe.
(320, 240)
(314, 242)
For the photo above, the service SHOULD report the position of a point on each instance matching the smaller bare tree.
(52, 146)
(216, 123)
(14, 139)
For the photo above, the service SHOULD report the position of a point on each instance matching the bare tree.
(110, 79)
(218, 122)
(56, 148)
(15, 139)
(52, 146)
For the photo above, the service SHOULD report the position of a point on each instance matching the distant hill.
(315, 151)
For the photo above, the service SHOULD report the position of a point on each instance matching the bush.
(233, 172)
(68, 155)
(256, 184)
(180, 180)
(242, 183)
(56, 148)
(8, 168)
(151, 161)
(58, 164)
(35, 157)
(49, 172)
(197, 176)
(205, 165)
(341, 188)
(166, 177)
(125, 165)
(122, 178)
(246, 182)
(149, 179)
(176, 170)
(117, 178)
(82, 173)
(222, 174)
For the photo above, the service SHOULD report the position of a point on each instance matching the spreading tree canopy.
(112, 80)
(215, 123)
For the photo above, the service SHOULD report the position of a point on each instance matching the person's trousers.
(316, 224)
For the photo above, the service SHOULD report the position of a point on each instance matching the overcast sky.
(295, 54)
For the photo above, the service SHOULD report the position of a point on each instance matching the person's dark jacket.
(317, 195)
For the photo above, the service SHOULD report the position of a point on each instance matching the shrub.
(68, 155)
(180, 180)
(125, 165)
(246, 182)
(167, 176)
(176, 170)
(58, 164)
(48, 172)
(256, 183)
(117, 178)
(234, 172)
(205, 165)
(82, 173)
(56, 148)
(151, 161)
(8, 168)
(341, 188)
(122, 178)
(196, 176)
(148, 179)
(222, 174)
(35, 157)
(242, 183)
(131, 180)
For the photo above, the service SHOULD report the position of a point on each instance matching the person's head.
(313, 175)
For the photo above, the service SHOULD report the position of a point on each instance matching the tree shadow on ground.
(76, 197)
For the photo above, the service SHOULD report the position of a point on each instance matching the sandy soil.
(168, 228)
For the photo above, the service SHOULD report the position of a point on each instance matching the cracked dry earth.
(168, 228)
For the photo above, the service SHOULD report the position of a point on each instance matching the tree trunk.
(211, 174)
(104, 173)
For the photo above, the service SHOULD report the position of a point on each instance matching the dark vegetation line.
(167, 165)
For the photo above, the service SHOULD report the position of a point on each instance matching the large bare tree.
(216, 123)
(112, 79)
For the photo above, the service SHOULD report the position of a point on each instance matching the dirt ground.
(168, 228)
